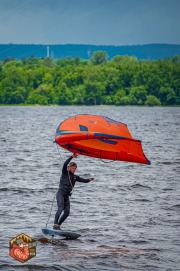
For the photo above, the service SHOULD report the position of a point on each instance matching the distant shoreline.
(76, 105)
(152, 51)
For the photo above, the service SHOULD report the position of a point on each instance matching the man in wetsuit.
(67, 183)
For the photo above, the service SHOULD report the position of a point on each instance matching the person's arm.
(64, 168)
(79, 179)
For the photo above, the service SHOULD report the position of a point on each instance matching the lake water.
(128, 216)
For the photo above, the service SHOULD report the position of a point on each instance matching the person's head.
(72, 166)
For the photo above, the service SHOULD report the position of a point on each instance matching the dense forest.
(123, 80)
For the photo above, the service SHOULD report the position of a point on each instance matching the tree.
(107, 99)
(43, 95)
(152, 101)
(176, 59)
(79, 95)
(138, 95)
(167, 95)
(13, 85)
(48, 62)
(99, 57)
(125, 59)
(36, 98)
(63, 94)
(77, 60)
(118, 96)
(94, 92)
(95, 85)
(1, 70)
(112, 80)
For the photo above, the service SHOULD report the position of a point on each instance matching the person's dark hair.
(72, 164)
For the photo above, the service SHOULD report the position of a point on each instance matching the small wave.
(172, 208)
(168, 163)
(122, 187)
(143, 200)
(167, 189)
(175, 223)
(175, 207)
(137, 242)
(20, 190)
(140, 186)
(4, 189)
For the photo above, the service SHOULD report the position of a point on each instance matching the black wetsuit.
(67, 182)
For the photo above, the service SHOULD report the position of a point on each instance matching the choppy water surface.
(128, 216)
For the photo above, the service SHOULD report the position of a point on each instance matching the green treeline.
(122, 80)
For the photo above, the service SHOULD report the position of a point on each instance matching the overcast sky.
(99, 22)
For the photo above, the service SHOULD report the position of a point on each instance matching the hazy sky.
(100, 22)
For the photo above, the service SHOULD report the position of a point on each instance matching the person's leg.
(60, 204)
(66, 210)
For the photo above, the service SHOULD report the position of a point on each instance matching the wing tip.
(148, 162)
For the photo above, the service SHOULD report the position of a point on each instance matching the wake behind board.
(67, 234)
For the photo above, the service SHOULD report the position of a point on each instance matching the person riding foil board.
(66, 185)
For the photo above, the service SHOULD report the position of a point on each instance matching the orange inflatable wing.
(99, 137)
